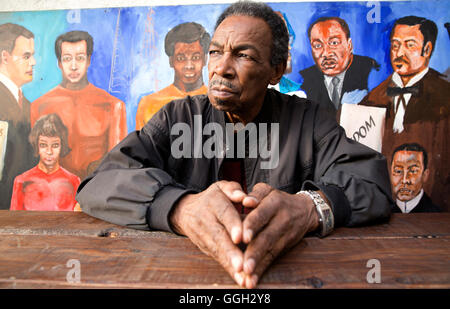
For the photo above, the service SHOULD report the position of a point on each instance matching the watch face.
(328, 218)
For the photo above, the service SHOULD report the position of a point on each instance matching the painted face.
(49, 150)
(239, 64)
(407, 58)
(331, 49)
(188, 61)
(20, 62)
(74, 61)
(408, 174)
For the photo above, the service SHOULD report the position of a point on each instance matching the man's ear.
(426, 174)
(4, 57)
(427, 49)
(279, 70)
(351, 44)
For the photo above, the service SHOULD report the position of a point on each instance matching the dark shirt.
(139, 181)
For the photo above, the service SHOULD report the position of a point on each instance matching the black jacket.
(139, 181)
(425, 205)
(355, 78)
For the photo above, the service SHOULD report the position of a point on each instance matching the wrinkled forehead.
(406, 157)
(239, 28)
(327, 29)
(406, 32)
(79, 47)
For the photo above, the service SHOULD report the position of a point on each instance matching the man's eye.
(55, 145)
(317, 45)
(334, 43)
(42, 145)
(213, 52)
(242, 55)
(67, 59)
(195, 58)
(81, 58)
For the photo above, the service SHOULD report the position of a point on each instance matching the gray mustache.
(220, 82)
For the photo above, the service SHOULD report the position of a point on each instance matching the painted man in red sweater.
(95, 119)
(47, 186)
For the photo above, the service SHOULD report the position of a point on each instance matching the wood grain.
(413, 251)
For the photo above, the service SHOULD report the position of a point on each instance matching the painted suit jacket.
(355, 78)
(19, 154)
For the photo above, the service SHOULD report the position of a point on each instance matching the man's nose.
(73, 65)
(189, 65)
(32, 61)
(224, 66)
(406, 178)
(400, 51)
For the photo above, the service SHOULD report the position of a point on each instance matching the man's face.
(188, 60)
(74, 61)
(407, 58)
(20, 62)
(408, 174)
(331, 49)
(239, 64)
(49, 150)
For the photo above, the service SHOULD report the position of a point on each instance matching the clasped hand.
(278, 221)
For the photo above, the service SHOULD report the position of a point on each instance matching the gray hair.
(280, 36)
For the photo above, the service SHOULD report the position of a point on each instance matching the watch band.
(326, 217)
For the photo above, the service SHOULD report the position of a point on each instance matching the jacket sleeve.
(352, 176)
(130, 187)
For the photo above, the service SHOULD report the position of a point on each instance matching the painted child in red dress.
(47, 186)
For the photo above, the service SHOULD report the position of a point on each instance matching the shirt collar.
(407, 206)
(398, 81)
(12, 87)
(329, 78)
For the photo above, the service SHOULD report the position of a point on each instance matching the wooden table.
(413, 251)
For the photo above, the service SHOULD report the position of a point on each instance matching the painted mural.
(73, 83)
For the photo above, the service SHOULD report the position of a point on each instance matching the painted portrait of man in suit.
(16, 69)
(409, 172)
(337, 70)
(416, 99)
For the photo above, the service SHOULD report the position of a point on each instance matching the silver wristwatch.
(326, 218)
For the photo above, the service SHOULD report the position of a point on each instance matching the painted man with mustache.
(416, 99)
(16, 69)
(95, 119)
(337, 70)
(322, 179)
(409, 171)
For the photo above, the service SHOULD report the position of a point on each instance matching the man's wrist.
(323, 210)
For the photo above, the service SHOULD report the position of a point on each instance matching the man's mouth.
(329, 63)
(74, 75)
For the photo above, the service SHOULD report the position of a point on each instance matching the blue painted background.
(129, 59)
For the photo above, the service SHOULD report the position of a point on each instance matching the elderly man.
(409, 171)
(95, 119)
(233, 200)
(337, 70)
(16, 69)
(416, 100)
(187, 47)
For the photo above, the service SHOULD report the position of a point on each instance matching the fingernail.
(237, 263)
(236, 234)
(250, 201)
(237, 193)
(254, 280)
(248, 235)
(249, 266)
(239, 278)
